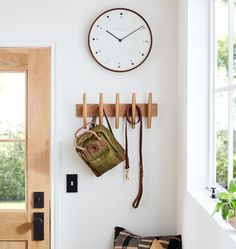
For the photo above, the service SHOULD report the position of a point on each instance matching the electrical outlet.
(72, 183)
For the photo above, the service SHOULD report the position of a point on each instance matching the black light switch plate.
(71, 183)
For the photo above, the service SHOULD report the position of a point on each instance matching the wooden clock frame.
(151, 42)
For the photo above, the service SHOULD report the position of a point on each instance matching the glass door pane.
(12, 105)
(12, 140)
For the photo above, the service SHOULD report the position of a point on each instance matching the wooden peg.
(133, 109)
(85, 110)
(101, 108)
(149, 121)
(117, 110)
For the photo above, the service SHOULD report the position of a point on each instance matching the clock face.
(120, 40)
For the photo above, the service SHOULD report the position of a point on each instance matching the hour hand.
(114, 36)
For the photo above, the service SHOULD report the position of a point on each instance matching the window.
(224, 91)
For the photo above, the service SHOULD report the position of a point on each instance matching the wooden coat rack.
(116, 110)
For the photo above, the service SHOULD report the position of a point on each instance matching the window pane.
(234, 139)
(221, 126)
(222, 40)
(12, 105)
(235, 42)
(12, 175)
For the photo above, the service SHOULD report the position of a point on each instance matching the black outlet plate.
(71, 183)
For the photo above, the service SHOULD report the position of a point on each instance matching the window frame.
(213, 90)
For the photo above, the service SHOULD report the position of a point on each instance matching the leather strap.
(108, 123)
(93, 123)
(136, 201)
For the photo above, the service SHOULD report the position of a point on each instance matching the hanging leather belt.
(136, 201)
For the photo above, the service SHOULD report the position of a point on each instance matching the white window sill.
(206, 202)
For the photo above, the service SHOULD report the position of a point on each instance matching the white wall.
(86, 219)
(200, 230)
(198, 93)
(182, 60)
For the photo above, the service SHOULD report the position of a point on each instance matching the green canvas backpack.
(99, 148)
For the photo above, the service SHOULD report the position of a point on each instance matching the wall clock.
(120, 40)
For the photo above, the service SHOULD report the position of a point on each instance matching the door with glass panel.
(24, 148)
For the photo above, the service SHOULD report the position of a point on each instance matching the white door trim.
(53, 43)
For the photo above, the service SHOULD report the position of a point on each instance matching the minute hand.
(131, 33)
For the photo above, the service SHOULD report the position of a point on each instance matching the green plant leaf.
(217, 207)
(232, 186)
(231, 213)
(233, 196)
(233, 203)
(225, 211)
(224, 196)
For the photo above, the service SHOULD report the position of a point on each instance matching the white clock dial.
(120, 40)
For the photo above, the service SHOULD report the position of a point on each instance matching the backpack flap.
(90, 146)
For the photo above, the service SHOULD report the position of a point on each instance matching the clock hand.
(114, 36)
(131, 33)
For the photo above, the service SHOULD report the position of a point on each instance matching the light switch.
(72, 183)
